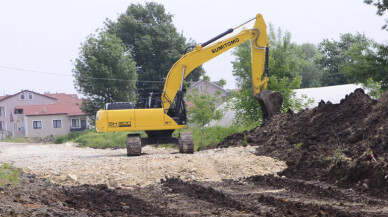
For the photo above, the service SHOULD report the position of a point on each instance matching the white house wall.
(47, 125)
(10, 103)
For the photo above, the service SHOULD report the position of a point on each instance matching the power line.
(65, 75)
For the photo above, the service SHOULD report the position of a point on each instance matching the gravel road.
(67, 164)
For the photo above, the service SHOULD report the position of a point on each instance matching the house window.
(74, 122)
(57, 123)
(22, 96)
(2, 127)
(30, 96)
(37, 124)
(2, 111)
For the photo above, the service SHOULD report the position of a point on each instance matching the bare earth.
(68, 165)
(72, 181)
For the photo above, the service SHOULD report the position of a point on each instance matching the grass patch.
(299, 145)
(8, 175)
(211, 136)
(70, 137)
(102, 140)
(16, 140)
(90, 138)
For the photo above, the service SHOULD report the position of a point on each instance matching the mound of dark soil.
(39, 197)
(346, 142)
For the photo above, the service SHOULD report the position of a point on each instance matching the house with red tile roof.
(31, 114)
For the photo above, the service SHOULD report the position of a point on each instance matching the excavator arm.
(160, 119)
(205, 52)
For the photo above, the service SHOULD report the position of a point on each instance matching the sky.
(39, 39)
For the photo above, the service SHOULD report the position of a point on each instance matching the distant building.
(211, 88)
(31, 114)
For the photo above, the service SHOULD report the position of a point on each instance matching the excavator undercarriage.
(135, 142)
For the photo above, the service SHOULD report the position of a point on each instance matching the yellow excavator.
(166, 111)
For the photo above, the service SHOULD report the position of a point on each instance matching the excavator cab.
(153, 101)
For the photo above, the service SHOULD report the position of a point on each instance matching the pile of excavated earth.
(345, 143)
(336, 157)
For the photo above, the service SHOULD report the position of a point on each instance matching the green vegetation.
(382, 6)
(90, 138)
(129, 57)
(299, 145)
(8, 175)
(374, 88)
(204, 109)
(149, 35)
(104, 57)
(285, 63)
(16, 140)
(338, 156)
(211, 136)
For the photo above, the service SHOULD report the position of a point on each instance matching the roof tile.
(66, 104)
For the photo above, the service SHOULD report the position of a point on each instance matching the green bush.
(211, 136)
(8, 175)
(103, 140)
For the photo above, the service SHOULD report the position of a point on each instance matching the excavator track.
(186, 143)
(133, 145)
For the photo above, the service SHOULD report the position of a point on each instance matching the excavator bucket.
(270, 103)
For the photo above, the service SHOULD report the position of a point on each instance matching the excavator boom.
(270, 102)
(205, 52)
(166, 112)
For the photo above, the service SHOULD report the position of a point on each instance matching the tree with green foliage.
(382, 6)
(311, 73)
(373, 87)
(284, 66)
(335, 57)
(204, 109)
(222, 82)
(104, 72)
(368, 65)
(284, 61)
(151, 37)
(206, 78)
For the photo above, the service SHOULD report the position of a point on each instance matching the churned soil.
(254, 196)
(343, 143)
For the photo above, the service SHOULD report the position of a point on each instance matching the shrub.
(211, 136)
(8, 175)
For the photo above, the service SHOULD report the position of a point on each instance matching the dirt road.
(161, 182)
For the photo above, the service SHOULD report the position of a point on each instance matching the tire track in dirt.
(266, 199)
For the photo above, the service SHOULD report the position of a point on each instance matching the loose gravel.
(67, 164)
